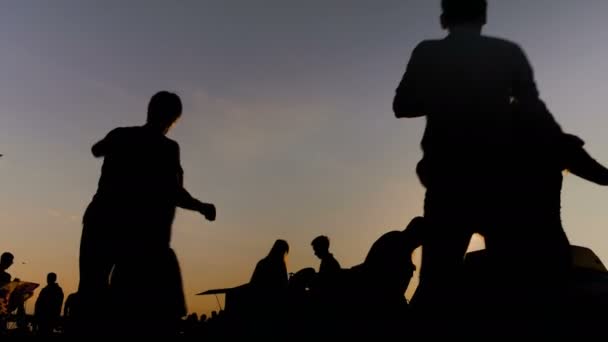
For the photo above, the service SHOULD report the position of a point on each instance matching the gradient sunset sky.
(287, 123)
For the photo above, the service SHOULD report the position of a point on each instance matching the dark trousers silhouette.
(97, 258)
(458, 203)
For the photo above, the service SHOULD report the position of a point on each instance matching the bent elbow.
(97, 151)
(398, 109)
(406, 109)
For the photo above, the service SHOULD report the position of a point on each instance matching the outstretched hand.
(207, 210)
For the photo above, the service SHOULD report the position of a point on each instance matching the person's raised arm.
(581, 164)
(408, 102)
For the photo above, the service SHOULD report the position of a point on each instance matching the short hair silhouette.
(458, 12)
(321, 242)
(6, 258)
(164, 108)
(51, 278)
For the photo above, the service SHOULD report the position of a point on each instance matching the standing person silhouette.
(463, 84)
(47, 310)
(129, 220)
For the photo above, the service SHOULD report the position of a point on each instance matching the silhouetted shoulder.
(505, 45)
(172, 144)
(500, 42)
(426, 47)
(110, 141)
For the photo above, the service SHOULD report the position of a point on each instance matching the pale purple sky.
(287, 122)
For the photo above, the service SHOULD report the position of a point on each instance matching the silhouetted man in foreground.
(48, 306)
(463, 85)
(128, 224)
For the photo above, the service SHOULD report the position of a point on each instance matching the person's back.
(48, 305)
(50, 301)
(268, 285)
(464, 84)
(139, 182)
(464, 89)
(270, 276)
(139, 164)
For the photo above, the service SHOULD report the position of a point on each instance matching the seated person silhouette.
(380, 282)
(329, 269)
(325, 287)
(127, 225)
(268, 289)
(13, 295)
(270, 276)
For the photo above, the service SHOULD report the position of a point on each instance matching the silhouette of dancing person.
(329, 266)
(464, 84)
(127, 225)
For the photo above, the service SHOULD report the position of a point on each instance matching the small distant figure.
(325, 289)
(6, 261)
(270, 275)
(329, 264)
(47, 310)
(13, 295)
(269, 285)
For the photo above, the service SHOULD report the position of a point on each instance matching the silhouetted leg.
(96, 262)
(442, 260)
(147, 293)
(449, 231)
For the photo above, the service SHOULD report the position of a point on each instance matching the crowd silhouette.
(493, 163)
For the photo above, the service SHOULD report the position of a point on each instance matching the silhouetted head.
(321, 246)
(6, 260)
(51, 278)
(279, 250)
(413, 234)
(463, 13)
(163, 111)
